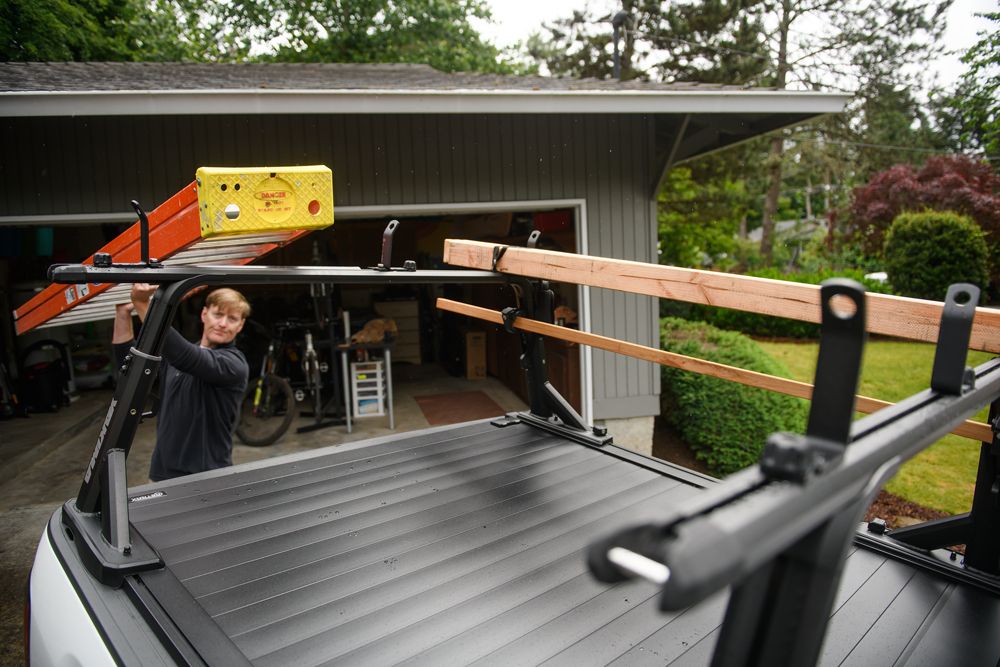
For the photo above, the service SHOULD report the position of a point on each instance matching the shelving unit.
(368, 388)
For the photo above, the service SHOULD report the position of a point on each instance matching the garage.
(479, 154)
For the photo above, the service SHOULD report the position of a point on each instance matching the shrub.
(945, 183)
(753, 324)
(956, 183)
(926, 252)
(726, 424)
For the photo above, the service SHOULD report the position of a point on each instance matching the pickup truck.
(526, 539)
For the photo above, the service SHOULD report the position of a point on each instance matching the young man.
(201, 385)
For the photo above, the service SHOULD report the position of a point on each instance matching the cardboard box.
(475, 355)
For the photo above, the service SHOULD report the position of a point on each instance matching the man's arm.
(121, 335)
(223, 366)
(141, 295)
(122, 332)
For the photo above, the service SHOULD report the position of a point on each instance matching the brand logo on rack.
(100, 440)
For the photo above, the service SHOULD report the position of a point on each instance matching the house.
(475, 155)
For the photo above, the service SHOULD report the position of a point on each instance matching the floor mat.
(457, 407)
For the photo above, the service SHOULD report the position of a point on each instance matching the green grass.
(941, 477)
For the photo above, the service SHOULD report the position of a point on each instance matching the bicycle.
(268, 407)
(312, 369)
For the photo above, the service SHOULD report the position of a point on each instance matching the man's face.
(221, 326)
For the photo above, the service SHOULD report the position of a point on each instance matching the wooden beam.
(969, 429)
(914, 319)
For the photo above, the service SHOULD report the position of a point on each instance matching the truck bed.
(464, 544)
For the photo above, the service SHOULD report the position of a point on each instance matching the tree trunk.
(771, 201)
(777, 144)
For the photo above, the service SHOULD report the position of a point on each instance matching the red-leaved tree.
(945, 183)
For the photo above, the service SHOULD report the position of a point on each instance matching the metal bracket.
(510, 314)
(104, 260)
(950, 374)
(797, 458)
(842, 341)
(791, 457)
(151, 262)
(533, 238)
(508, 419)
(498, 252)
(385, 264)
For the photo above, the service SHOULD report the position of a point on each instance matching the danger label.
(274, 200)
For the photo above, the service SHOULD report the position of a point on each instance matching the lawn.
(943, 476)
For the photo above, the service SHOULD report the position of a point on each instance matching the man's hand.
(122, 332)
(141, 294)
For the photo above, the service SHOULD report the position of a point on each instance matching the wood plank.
(969, 429)
(902, 317)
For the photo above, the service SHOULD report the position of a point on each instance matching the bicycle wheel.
(263, 425)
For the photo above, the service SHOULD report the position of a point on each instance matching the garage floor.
(42, 459)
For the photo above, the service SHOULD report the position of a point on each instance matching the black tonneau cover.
(466, 544)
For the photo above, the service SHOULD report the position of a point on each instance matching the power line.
(912, 149)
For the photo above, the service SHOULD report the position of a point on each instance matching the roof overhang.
(392, 101)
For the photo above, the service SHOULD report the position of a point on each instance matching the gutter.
(388, 101)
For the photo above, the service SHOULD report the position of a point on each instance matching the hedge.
(927, 252)
(724, 423)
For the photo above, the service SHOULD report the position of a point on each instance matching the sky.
(516, 19)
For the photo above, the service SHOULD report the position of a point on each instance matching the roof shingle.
(93, 76)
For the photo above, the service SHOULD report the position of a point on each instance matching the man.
(201, 385)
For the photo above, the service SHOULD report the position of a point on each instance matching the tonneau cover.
(465, 545)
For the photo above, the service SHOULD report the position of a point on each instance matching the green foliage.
(64, 30)
(197, 31)
(753, 324)
(970, 116)
(835, 254)
(439, 33)
(926, 252)
(726, 424)
(434, 32)
(698, 220)
(800, 43)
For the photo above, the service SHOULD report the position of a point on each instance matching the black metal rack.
(110, 546)
(778, 533)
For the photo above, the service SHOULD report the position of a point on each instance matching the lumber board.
(969, 429)
(902, 317)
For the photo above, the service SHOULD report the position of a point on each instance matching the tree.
(970, 116)
(945, 183)
(435, 32)
(581, 45)
(61, 30)
(862, 46)
(698, 217)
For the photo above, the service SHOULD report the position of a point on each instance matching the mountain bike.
(313, 371)
(268, 407)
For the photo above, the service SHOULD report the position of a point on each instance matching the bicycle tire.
(314, 382)
(262, 429)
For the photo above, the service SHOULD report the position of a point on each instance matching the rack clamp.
(950, 375)
(792, 457)
(498, 252)
(385, 264)
(104, 260)
(510, 314)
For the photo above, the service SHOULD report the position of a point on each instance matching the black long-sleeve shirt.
(200, 394)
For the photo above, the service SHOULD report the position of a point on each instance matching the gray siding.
(97, 164)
